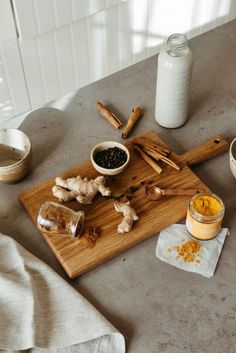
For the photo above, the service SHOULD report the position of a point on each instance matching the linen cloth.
(40, 312)
(209, 254)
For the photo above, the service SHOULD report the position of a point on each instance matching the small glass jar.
(205, 226)
(57, 219)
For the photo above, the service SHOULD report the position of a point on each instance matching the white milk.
(173, 82)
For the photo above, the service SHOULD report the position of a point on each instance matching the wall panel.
(7, 25)
(80, 44)
(125, 42)
(36, 17)
(13, 92)
(44, 15)
(96, 45)
(111, 40)
(140, 14)
(66, 44)
(33, 72)
(48, 66)
(62, 12)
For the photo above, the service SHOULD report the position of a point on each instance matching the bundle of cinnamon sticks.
(152, 153)
(135, 115)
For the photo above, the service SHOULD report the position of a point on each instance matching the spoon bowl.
(155, 193)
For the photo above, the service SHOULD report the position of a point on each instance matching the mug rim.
(26, 154)
(230, 149)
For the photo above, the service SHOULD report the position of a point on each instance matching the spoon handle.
(189, 192)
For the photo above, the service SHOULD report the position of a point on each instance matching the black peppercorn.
(111, 158)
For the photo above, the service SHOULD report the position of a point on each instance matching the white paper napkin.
(204, 264)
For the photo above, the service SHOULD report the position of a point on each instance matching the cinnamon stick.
(167, 161)
(158, 156)
(151, 153)
(147, 159)
(108, 115)
(135, 115)
(148, 144)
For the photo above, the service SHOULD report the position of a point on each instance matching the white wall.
(66, 44)
(13, 93)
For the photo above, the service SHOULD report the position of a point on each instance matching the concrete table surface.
(157, 307)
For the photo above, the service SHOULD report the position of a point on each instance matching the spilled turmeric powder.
(207, 205)
(189, 251)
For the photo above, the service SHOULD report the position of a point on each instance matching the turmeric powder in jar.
(204, 216)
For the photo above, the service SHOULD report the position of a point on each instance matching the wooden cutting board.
(153, 215)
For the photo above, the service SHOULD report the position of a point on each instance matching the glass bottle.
(173, 82)
(57, 219)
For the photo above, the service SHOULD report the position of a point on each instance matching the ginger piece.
(83, 190)
(129, 216)
(62, 194)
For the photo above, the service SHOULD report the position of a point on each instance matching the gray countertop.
(157, 307)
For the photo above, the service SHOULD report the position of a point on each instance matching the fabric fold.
(39, 311)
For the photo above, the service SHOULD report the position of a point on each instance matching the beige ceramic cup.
(232, 157)
(11, 141)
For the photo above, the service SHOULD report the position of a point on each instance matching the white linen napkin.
(40, 312)
(177, 234)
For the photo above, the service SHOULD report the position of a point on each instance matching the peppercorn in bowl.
(110, 157)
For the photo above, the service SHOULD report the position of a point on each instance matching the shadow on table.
(197, 101)
(46, 128)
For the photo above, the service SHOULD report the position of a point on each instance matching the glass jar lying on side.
(204, 216)
(57, 219)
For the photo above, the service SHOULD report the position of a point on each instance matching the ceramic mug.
(232, 157)
(15, 155)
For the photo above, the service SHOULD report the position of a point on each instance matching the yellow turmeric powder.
(206, 205)
(189, 251)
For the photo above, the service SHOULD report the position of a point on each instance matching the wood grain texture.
(153, 216)
(209, 149)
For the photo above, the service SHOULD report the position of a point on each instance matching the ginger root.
(83, 190)
(129, 216)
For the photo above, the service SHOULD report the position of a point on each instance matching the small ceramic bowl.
(232, 157)
(104, 146)
(15, 155)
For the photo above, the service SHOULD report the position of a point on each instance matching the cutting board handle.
(209, 149)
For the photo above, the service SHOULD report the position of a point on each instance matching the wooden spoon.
(155, 193)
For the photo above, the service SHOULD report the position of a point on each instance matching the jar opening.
(202, 215)
(177, 43)
(79, 224)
